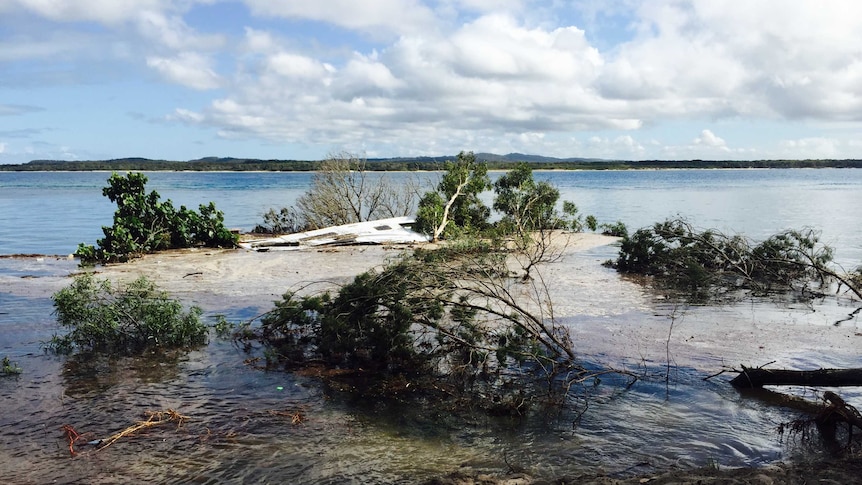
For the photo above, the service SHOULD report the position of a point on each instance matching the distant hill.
(520, 157)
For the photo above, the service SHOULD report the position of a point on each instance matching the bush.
(617, 229)
(143, 224)
(122, 319)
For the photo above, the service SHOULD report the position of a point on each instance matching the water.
(240, 426)
(51, 212)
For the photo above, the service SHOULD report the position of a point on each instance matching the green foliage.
(708, 262)
(223, 327)
(617, 229)
(102, 317)
(455, 208)
(526, 205)
(367, 324)
(447, 313)
(9, 368)
(144, 224)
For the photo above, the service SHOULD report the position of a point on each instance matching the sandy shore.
(608, 315)
(215, 278)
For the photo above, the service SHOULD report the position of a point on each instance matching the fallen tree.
(707, 264)
(759, 377)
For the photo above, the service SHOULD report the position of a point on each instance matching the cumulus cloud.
(488, 75)
(187, 68)
(708, 138)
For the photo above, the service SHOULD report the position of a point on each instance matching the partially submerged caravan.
(395, 230)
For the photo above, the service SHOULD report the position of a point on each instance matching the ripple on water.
(241, 425)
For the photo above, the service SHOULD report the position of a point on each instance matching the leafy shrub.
(144, 224)
(617, 229)
(365, 325)
(122, 319)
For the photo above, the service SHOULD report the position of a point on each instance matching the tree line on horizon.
(494, 162)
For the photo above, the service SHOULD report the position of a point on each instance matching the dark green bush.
(127, 319)
(144, 224)
(707, 262)
(617, 229)
(367, 324)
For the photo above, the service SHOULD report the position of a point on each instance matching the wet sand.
(609, 316)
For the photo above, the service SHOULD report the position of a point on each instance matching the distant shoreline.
(405, 165)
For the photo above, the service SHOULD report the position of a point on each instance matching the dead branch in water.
(154, 418)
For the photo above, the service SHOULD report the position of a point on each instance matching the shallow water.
(240, 418)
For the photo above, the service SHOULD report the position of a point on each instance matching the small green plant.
(144, 224)
(117, 319)
(9, 368)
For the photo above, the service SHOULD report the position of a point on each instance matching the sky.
(303, 80)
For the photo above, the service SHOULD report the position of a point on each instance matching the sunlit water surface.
(241, 419)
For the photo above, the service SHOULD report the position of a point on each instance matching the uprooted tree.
(706, 264)
(454, 319)
(462, 316)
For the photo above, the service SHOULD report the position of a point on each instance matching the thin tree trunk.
(760, 377)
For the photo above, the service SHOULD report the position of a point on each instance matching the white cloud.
(708, 138)
(429, 76)
(395, 16)
(2, 147)
(298, 67)
(770, 58)
(188, 69)
(103, 11)
(172, 32)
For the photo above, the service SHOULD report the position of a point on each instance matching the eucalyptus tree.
(455, 207)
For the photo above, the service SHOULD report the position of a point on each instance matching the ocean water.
(51, 212)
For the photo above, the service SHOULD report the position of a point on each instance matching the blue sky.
(285, 79)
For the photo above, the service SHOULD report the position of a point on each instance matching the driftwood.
(759, 377)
